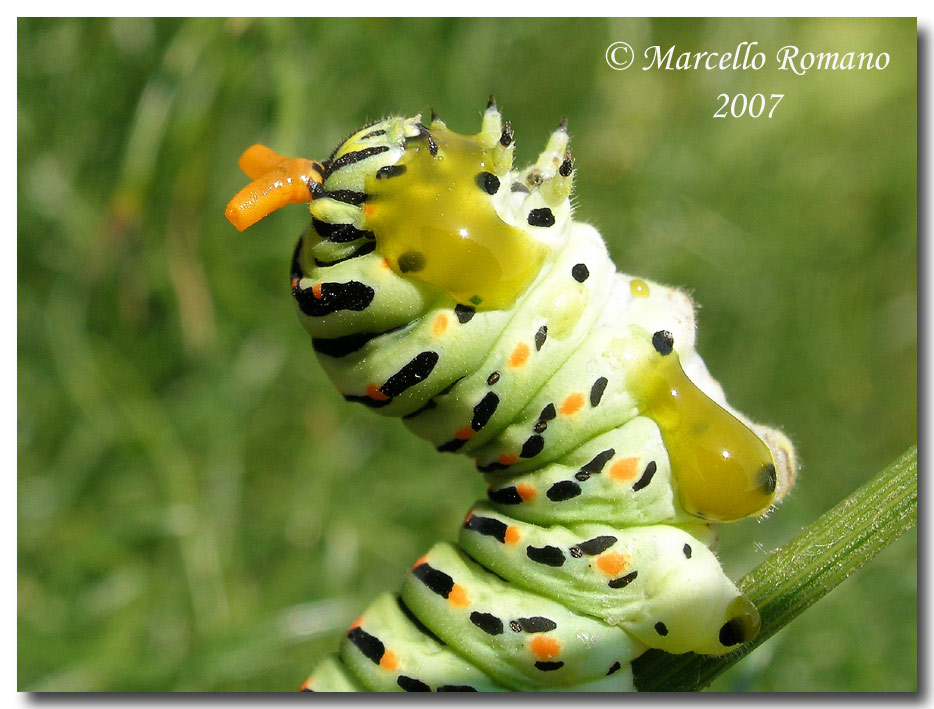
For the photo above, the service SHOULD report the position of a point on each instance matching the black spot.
(367, 248)
(687, 551)
(518, 187)
(535, 624)
(456, 688)
(663, 342)
(347, 196)
(541, 217)
(540, 426)
(355, 156)
(596, 391)
(540, 336)
(411, 374)
(432, 145)
(505, 496)
(575, 552)
(582, 475)
(547, 555)
(488, 527)
(421, 627)
(464, 313)
(733, 632)
(507, 135)
(351, 295)
(580, 272)
(339, 233)
(646, 476)
(549, 666)
(488, 182)
(563, 490)
(369, 645)
(452, 446)
(487, 622)
(412, 685)
(295, 271)
(767, 478)
(373, 134)
(437, 581)
(493, 378)
(548, 413)
(491, 467)
(367, 401)
(532, 447)
(567, 166)
(484, 410)
(597, 545)
(515, 626)
(384, 173)
(348, 344)
(598, 462)
(411, 262)
(661, 629)
(615, 668)
(624, 581)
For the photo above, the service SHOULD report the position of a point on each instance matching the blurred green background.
(198, 510)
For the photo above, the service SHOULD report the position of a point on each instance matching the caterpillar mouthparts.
(442, 286)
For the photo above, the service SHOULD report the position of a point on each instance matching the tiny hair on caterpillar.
(443, 287)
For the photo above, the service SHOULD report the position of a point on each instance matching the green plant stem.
(803, 571)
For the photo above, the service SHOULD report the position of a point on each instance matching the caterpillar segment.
(444, 287)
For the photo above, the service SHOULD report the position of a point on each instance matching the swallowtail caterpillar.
(443, 287)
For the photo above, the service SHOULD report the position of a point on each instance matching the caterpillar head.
(444, 208)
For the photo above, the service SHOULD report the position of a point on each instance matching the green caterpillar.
(445, 288)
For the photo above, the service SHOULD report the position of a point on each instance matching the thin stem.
(803, 571)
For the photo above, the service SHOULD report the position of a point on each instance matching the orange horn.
(277, 181)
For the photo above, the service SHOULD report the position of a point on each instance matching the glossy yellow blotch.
(277, 181)
(436, 223)
(724, 471)
(639, 288)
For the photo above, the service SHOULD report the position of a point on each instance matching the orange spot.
(464, 434)
(440, 325)
(389, 661)
(368, 209)
(624, 469)
(294, 283)
(519, 355)
(306, 685)
(508, 458)
(384, 263)
(467, 518)
(458, 596)
(613, 563)
(512, 535)
(572, 404)
(357, 623)
(316, 291)
(526, 492)
(544, 647)
(372, 391)
(421, 560)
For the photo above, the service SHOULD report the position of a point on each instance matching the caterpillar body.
(443, 287)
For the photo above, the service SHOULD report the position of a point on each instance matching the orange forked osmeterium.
(277, 181)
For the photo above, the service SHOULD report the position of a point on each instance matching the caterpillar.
(443, 287)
